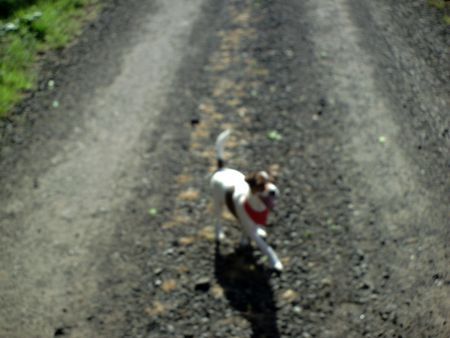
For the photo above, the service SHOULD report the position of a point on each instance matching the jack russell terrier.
(249, 198)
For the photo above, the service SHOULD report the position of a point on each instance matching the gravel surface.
(105, 221)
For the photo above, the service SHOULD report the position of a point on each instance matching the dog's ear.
(256, 181)
(251, 179)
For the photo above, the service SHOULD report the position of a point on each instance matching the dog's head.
(262, 185)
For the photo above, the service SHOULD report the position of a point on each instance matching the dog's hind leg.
(244, 240)
(218, 204)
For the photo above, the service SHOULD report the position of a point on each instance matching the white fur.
(221, 139)
(222, 181)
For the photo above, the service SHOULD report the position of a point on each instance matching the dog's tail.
(220, 144)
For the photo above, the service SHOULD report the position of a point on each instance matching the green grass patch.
(444, 6)
(439, 4)
(447, 20)
(28, 31)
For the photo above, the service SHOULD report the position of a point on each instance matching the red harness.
(259, 217)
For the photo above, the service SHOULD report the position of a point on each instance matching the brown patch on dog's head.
(261, 185)
(257, 181)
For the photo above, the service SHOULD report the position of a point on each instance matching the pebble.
(297, 309)
(169, 251)
(202, 284)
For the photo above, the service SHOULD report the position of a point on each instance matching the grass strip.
(31, 31)
(444, 7)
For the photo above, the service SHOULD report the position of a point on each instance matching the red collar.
(259, 217)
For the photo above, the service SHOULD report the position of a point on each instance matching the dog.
(249, 198)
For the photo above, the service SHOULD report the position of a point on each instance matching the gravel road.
(105, 223)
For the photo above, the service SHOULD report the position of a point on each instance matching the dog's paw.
(220, 236)
(261, 232)
(278, 266)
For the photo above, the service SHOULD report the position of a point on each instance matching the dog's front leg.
(245, 239)
(261, 232)
(275, 262)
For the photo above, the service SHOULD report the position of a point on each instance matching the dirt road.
(104, 220)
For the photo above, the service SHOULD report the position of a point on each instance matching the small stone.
(186, 241)
(207, 233)
(289, 53)
(152, 211)
(323, 102)
(157, 309)
(289, 296)
(217, 291)
(169, 285)
(189, 195)
(360, 254)
(169, 251)
(297, 309)
(157, 271)
(325, 282)
(202, 284)
(60, 331)
(366, 285)
(273, 135)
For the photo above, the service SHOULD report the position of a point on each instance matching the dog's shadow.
(247, 288)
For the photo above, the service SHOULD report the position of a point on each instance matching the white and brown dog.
(249, 198)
